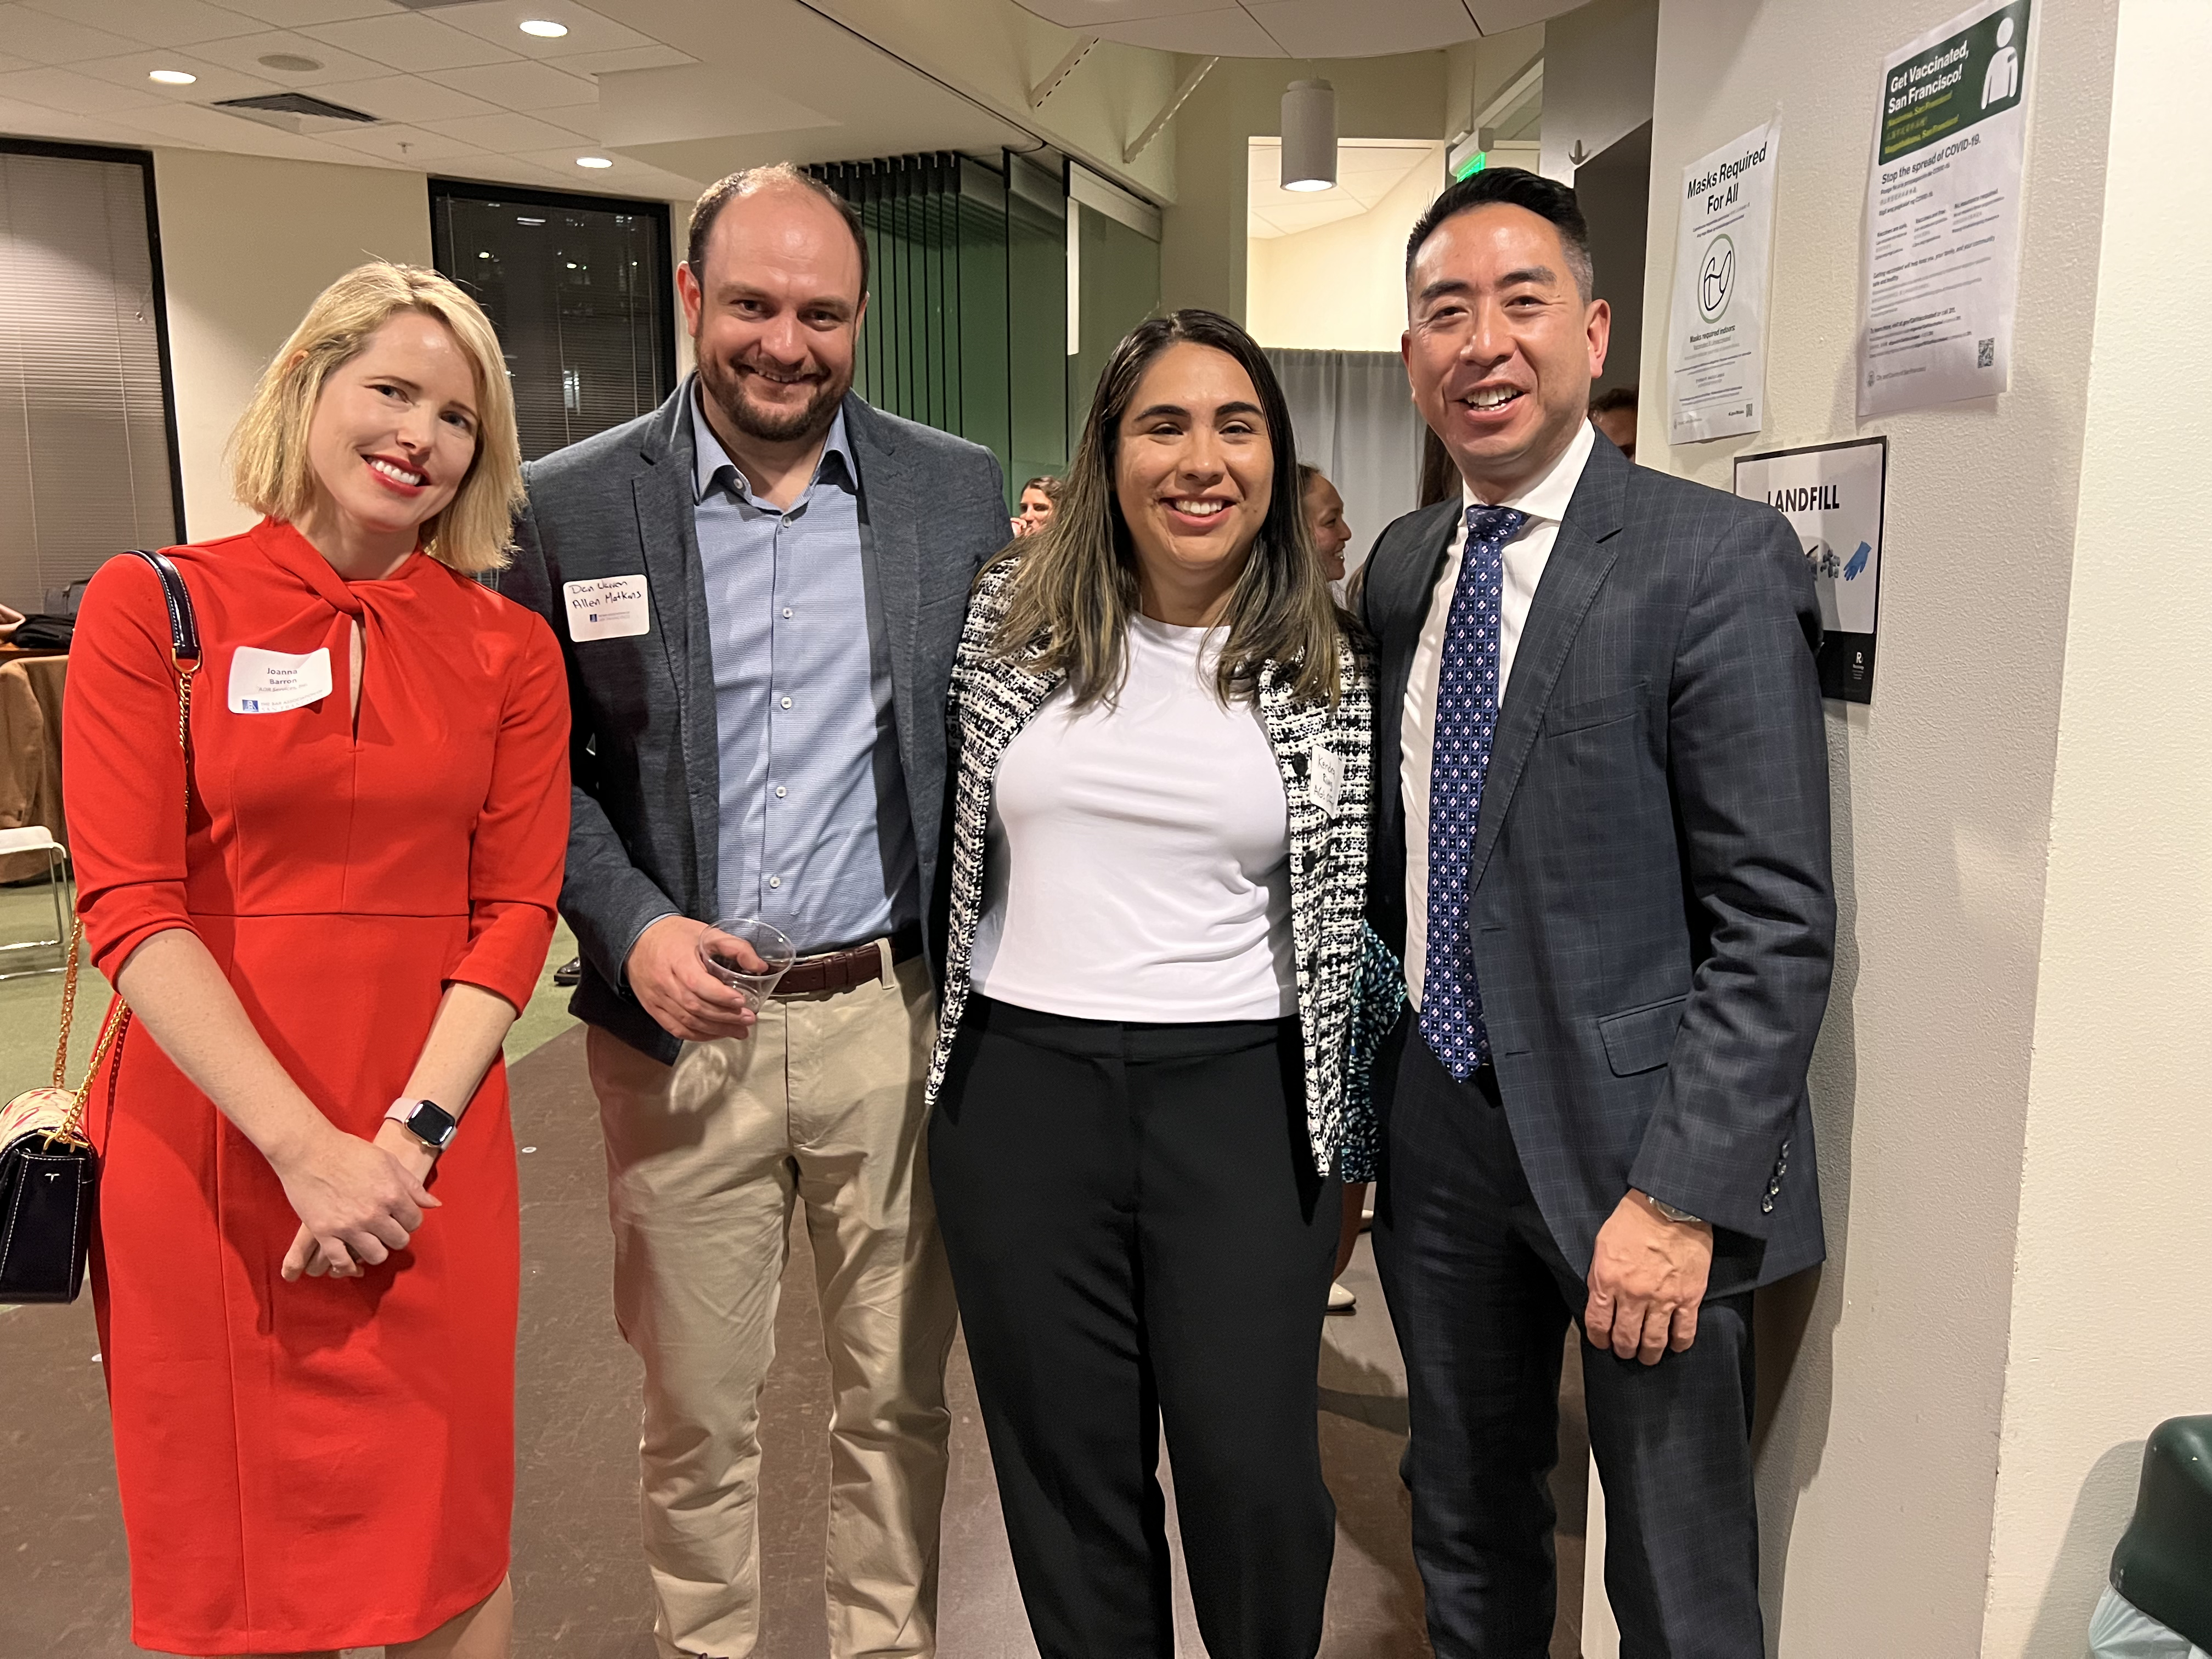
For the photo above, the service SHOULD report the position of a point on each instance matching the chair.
(37, 838)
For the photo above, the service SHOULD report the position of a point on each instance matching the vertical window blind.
(87, 439)
(579, 288)
(967, 324)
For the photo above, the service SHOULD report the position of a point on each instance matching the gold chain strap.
(111, 1028)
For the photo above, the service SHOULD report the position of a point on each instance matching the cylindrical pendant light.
(1309, 135)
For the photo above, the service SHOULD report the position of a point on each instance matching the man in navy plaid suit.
(1606, 868)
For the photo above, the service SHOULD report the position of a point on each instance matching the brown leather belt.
(863, 964)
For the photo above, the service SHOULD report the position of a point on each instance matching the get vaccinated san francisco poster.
(1943, 212)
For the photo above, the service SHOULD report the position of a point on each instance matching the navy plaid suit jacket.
(1653, 915)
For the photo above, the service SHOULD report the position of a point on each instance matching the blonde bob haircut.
(269, 466)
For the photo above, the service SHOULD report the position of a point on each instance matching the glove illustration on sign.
(1858, 560)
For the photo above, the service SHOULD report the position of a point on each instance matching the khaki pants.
(705, 1159)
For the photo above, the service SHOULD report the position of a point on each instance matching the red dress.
(328, 1463)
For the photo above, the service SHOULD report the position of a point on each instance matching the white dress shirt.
(1545, 502)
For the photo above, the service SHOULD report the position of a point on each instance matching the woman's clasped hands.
(357, 1201)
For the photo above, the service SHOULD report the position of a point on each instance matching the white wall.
(1340, 287)
(247, 243)
(1598, 65)
(1886, 1378)
(2109, 1335)
(1202, 246)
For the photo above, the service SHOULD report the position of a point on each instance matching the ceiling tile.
(214, 128)
(625, 178)
(8, 62)
(1496, 17)
(215, 81)
(500, 22)
(408, 146)
(413, 41)
(630, 58)
(521, 85)
(45, 39)
(151, 22)
(35, 121)
(407, 98)
(299, 14)
(1373, 28)
(511, 135)
(1088, 14)
(73, 93)
(244, 53)
(1220, 32)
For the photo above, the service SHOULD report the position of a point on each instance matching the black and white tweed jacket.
(1319, 750)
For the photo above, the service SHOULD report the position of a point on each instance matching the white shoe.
(1341, 1300)
(1367, 1216)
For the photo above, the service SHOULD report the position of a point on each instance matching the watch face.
(431, 1124)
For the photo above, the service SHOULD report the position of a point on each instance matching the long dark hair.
(1076, 586)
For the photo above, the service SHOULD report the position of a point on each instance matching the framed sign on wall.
(1832, 495)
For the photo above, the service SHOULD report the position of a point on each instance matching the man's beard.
(724, 386)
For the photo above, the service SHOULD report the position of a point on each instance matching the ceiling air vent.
(295, 111)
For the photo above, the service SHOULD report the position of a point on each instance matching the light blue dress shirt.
(815, 836)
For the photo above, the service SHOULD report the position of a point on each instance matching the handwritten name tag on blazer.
(608, 609)
(270, 682)
(1326, 780)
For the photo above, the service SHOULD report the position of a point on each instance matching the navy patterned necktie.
(1466, 717)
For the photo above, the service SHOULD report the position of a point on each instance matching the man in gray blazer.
(759, 587)
(1605, 866)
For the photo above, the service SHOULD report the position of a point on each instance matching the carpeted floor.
(580, 1584)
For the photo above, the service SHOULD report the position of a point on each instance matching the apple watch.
(427, 1120)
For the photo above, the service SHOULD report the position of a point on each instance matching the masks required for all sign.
(1716, 339)
(1943, 212)
(1832, 494)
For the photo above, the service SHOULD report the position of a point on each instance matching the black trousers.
(1481, 1297)
(1137, 1236)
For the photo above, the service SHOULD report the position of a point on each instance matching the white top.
(1545, 502)
(1138, 867)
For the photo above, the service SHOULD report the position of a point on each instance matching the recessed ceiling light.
(521, 220)
(593, 161)
(172, 77)
(545, 30)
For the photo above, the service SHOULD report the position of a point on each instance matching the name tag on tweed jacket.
(1325, 777)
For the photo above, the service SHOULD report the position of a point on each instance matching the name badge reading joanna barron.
(609, 608)
(270, 682)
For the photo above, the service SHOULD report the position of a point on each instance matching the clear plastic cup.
(748, 955)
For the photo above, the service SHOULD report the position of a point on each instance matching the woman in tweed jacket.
(1161, 732)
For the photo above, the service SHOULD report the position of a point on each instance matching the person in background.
(1039, 496)
(310, 1359)
(10, 620)
(1601, 853)
(762, 734)
(1614, 413)
(1162, 723)
(1324, 512)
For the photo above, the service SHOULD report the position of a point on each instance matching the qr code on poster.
(1986, 354)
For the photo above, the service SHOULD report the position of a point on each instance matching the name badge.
(270, 682)
(608, 609)
(1326, 779)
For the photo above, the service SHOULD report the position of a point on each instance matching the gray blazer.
(1654, 921)
(645, 829)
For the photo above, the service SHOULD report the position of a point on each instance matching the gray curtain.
(1356, 421)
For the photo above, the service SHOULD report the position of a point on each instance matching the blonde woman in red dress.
(307, 1310)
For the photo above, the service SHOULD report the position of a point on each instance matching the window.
(579, 288)
(87, 442)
